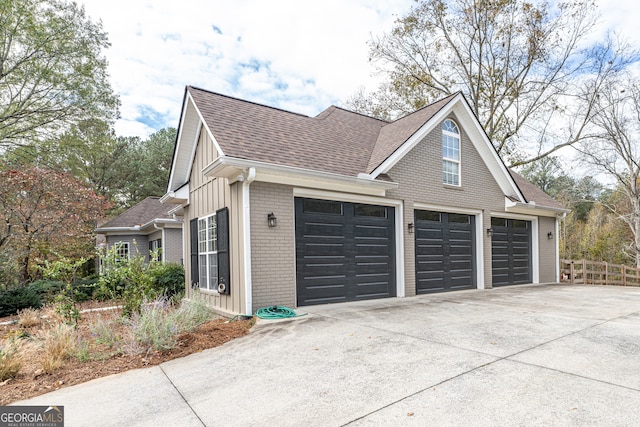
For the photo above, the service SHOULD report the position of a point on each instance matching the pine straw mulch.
(102, 361)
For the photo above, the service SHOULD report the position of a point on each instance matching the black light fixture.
(489, 232)
(550, 235)
(410, 227)
(272, 221)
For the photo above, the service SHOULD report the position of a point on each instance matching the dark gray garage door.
(445, 251)
(344, 251)
(510, 251)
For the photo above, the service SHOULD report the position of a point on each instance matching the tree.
(519, 63)
(52, 72)
(45, 212)
(615, 149)
(153, 158)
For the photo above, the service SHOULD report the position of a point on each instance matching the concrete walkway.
(523, 355)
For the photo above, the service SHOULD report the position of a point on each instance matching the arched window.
(450, 153)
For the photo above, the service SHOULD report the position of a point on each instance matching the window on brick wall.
(208, 252)
(450, 153)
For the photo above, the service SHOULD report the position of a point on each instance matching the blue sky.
(296, 55)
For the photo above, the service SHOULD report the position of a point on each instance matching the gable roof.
(336, 140)
(145, 212)
(335, 143)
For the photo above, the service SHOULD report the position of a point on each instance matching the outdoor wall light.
(550, 235)
(272, 221)
(410, 227)
(489, 232)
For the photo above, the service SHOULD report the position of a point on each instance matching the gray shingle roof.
(142, 213)
(534, 194)
(336, 140)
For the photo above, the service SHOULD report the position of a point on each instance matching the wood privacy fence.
(598, 273)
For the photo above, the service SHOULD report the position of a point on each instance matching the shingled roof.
(336, 141)
(144, 212)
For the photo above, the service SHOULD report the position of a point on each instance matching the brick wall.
(419, 174)
(172, 245)
(273, 271)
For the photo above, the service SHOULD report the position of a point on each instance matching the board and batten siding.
(419, 174)
(206, 195)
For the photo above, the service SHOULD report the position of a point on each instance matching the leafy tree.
(518, 62)
(43, 212)
(52, 71)
(152, 163)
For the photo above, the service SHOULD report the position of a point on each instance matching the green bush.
(16, 299)
(85, 288)
(168, 279)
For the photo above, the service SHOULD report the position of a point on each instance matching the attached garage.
(511, 251)
(344, 251)
(445, 251)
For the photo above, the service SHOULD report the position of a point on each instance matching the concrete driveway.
(523, 355)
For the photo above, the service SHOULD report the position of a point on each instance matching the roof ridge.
(336, 107)
(246, 101)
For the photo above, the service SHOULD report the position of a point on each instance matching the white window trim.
(452, 160)
(122, 245)
(208, 286)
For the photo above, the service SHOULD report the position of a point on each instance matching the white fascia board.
(532, 208)
(231, 168)
(188, 135)
(179, 196)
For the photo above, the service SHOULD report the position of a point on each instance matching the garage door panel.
(511, 251)
(445, 256)
(345, 253)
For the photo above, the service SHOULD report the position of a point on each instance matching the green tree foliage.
(518, 63)
(152, 164)
(43, 212)
(52, 71)
(125, 170)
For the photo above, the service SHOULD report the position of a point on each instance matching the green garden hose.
(276, 312)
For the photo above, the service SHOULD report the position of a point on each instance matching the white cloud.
(299, 56)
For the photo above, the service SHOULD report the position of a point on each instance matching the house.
(144, 228)
(285, 209)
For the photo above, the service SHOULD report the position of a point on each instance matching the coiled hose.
(277, 312)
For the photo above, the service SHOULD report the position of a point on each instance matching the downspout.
(557, 231)
(249, 177)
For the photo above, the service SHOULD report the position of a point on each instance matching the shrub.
(10, 361)
(128, 279)
(19, 298)
(152, 328)
(84, 289)
(168, 279)
(103, 330)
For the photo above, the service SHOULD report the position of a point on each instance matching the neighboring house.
(285, 209)
(144, 228)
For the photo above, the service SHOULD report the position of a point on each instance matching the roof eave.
(533, 208)
(236, 169)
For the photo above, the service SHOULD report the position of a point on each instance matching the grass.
(10, 360)
(29, 318)
(60, 344)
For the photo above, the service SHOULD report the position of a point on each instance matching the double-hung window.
(450, 153)
(208, 252)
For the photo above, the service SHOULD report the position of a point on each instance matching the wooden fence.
(598, 273)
